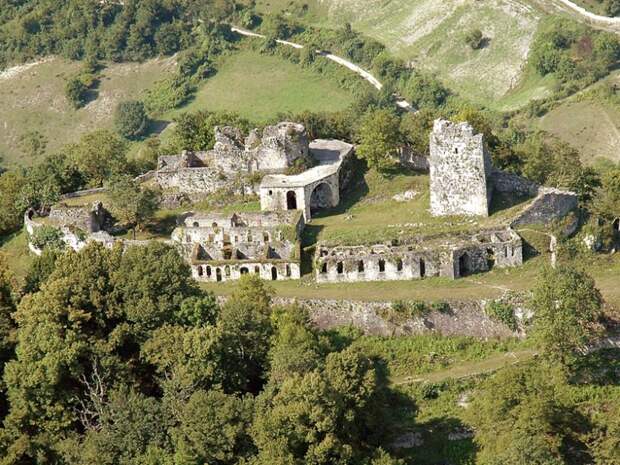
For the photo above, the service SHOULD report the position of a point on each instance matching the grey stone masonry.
(459, 168)
(450, 256)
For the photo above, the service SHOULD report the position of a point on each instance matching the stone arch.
(321, 197)
(274, 273)
(291, 200)
(464, 264)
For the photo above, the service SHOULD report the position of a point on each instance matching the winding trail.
(494, 363)
(336, 59)
(602, 22)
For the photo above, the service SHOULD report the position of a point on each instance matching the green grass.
(259, 87)
(430, 35)
(588, 121)
(17, 254)
(370, 213)
(34, 100)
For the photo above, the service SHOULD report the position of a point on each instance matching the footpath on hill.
(580, 13)
(336, 59)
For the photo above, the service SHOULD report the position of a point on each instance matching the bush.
(502, 312)
(76, 92)
(47, 237)
(130, 119)
(474, 39)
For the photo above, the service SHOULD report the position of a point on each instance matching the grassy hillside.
(430, 34)
(261, 86)
(32, 99)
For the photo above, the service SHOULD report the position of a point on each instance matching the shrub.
(502, 312)
(130, 119)
(47, 237)
(474, 39)
(75, 91)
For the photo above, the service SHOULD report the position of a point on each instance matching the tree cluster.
(119, 358)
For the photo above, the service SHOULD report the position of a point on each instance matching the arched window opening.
(218, 275)
(324, 268)
(227, 271)
(208, 271)
(381, 266)
(288, 271)
(274, 273)
(257, 269)
(291, 200)
(196, 224)
(399, 265)
(244, 270)
(340, 268)
(422, 268)
(360, 266)
(199, 270)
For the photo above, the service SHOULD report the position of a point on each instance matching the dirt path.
(467, 369)
(336, 59)
(602, 22)
(493, 363)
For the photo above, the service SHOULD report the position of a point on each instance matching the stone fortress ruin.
(295, 177)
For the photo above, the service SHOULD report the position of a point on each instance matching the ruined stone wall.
(89, 219)
(279, 147)
(462, 318)
(281, 270)
(459, 167)
(510, 183)
(192, 180)
(550, 205)
(452, 257)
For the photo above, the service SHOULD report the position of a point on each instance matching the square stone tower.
(460, 167)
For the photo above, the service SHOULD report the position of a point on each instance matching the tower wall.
(459, 168)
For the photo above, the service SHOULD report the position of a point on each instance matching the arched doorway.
(291, 200)
(321, 197)
(464, 265)
(491, 258)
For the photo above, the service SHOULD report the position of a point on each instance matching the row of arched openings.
(207, 271)
(361, 267)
